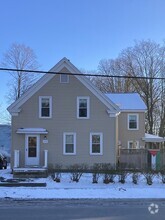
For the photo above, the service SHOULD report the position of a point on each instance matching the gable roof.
(63, 63)
(127, 101)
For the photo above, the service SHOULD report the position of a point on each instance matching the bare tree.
(146, 59)
(20, 57)
(107, 84)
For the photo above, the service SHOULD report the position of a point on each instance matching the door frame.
(37, 159)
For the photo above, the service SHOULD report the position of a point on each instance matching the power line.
(81, 74)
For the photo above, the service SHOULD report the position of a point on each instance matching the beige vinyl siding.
(64, 119)
(126, 134)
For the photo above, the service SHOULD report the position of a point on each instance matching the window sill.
(133, 129)
(81, 118)
(45, 117)
(96, 154)
(69, 154)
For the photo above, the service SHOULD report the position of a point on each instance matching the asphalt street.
(102, 209)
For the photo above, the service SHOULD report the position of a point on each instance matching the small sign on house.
(45, 140)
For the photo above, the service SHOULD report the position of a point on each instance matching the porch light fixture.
(45, 140)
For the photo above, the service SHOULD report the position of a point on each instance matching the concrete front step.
(30, 172)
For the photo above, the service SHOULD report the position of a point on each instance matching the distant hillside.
(5, 138)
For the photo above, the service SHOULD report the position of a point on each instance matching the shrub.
(77, 171)
(135, 177)
(96, 170)
(122, 177)
(57, 173)
(109, 173)
(149, 176)
(162, 174)
(122, 174)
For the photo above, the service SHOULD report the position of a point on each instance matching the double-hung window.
(69, 143)
(133, 144)
(45, 106)
(83, 107)
(133, 122)
(96, 143)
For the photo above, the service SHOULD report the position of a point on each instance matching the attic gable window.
(64, 78)
(45, 106)
(83, 107)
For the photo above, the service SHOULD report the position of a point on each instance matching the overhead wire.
(82, 74)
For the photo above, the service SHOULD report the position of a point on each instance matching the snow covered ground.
(67, 189)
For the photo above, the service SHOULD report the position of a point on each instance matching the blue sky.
(85, 31)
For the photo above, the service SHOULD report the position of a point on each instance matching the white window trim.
(61, 78)
(137, 146)
(88, 106)
(64, 143)
(40, 105)
(101, 143)
(133, 129)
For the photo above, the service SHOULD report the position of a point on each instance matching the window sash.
(69, 143)
(64, 78)
(133, 122)
(45, 112)
(69, 148)
(83, 107)
(95, 148)
(45, 105)
(96, 143)
(133, 145)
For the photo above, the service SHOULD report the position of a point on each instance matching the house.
(64, 119)
(131, 120)
(136, 147)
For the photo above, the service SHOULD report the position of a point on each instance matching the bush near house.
(57, 174)
(108, 172)
(77, 171)
(96, 170)
(162, 174)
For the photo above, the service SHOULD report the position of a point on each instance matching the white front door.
(32, 150)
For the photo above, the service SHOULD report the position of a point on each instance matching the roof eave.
(153, 139)
(133, 110)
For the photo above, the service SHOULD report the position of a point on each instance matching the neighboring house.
(5, 139)
(135, 146)
(65, 119)
(131, 121)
